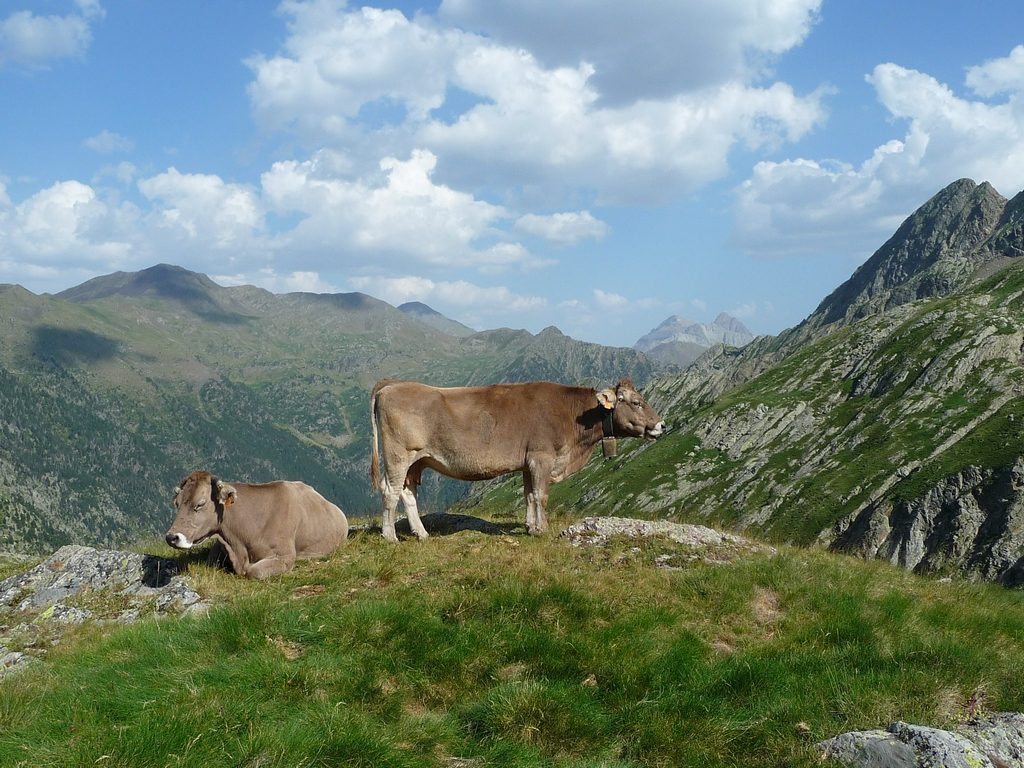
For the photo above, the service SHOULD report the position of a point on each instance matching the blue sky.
(593, 165)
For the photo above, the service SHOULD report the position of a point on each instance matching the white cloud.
(457, 293)
(35, 41)
(124, 172)
(1005, 75)
(203, 210)
(563, 228)
(649, 50)
(335, 62)
(67, 221)
(268, 279)
(609, 300)
(582, 119)
(820, 206)
(744, 311)
(545, 128)
(402, 216)
(108, 142)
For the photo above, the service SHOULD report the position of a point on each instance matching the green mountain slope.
(114, 390)
(893, 431)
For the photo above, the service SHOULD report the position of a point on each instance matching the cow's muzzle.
(656, 430)
(178, 541)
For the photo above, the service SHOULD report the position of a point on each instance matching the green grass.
(524, 652)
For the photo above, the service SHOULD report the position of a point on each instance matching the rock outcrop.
(971, 522)
(80, 584)
(701, 542)
(992, 741)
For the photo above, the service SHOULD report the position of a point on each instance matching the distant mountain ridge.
(680, 341)
(435, 319)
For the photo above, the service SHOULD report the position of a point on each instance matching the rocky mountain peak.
(934, 252)
(680, 341)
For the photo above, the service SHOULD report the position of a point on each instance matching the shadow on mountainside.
(76, 345)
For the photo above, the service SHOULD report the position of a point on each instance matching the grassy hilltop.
(477, 650)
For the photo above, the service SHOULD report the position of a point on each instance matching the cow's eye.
(200, 504)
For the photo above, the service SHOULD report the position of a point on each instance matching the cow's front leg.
(238, 558)
(271, 565)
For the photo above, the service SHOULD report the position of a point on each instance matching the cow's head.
(199, 502)
(631, 414)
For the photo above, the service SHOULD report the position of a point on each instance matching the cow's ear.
(226, 494)
(606, 397)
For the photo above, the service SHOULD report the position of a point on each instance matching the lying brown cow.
(264, 527)
(545, 430)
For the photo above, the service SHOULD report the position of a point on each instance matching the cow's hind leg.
(412, 512)
(536, 479)
(413, 478)
(389, 501)
(531, 509)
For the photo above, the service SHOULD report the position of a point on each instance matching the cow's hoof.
(423, 537)
(534, 531)
(390, 537)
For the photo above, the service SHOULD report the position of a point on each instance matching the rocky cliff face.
(971, 522)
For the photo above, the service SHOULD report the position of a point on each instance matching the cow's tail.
(375, 476)
(374, 455)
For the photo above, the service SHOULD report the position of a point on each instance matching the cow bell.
(609, 447)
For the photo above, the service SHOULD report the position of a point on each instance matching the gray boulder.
(992, 741)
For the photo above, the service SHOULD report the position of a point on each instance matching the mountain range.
(887, 424)
(679, 342)
(112, 391)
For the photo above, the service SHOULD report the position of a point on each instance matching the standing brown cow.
(547, 431)
(264, 526)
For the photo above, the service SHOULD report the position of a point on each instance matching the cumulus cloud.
(400, 215)
(650, 50)
(1004, 75)
(36, 41)
(108, 142)
(552, 122)
(67, 221)
(336, 62)
(204, 210)
(563, 228)
(805, 205)
(610, 300)
(485, 300)
(268, 279)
